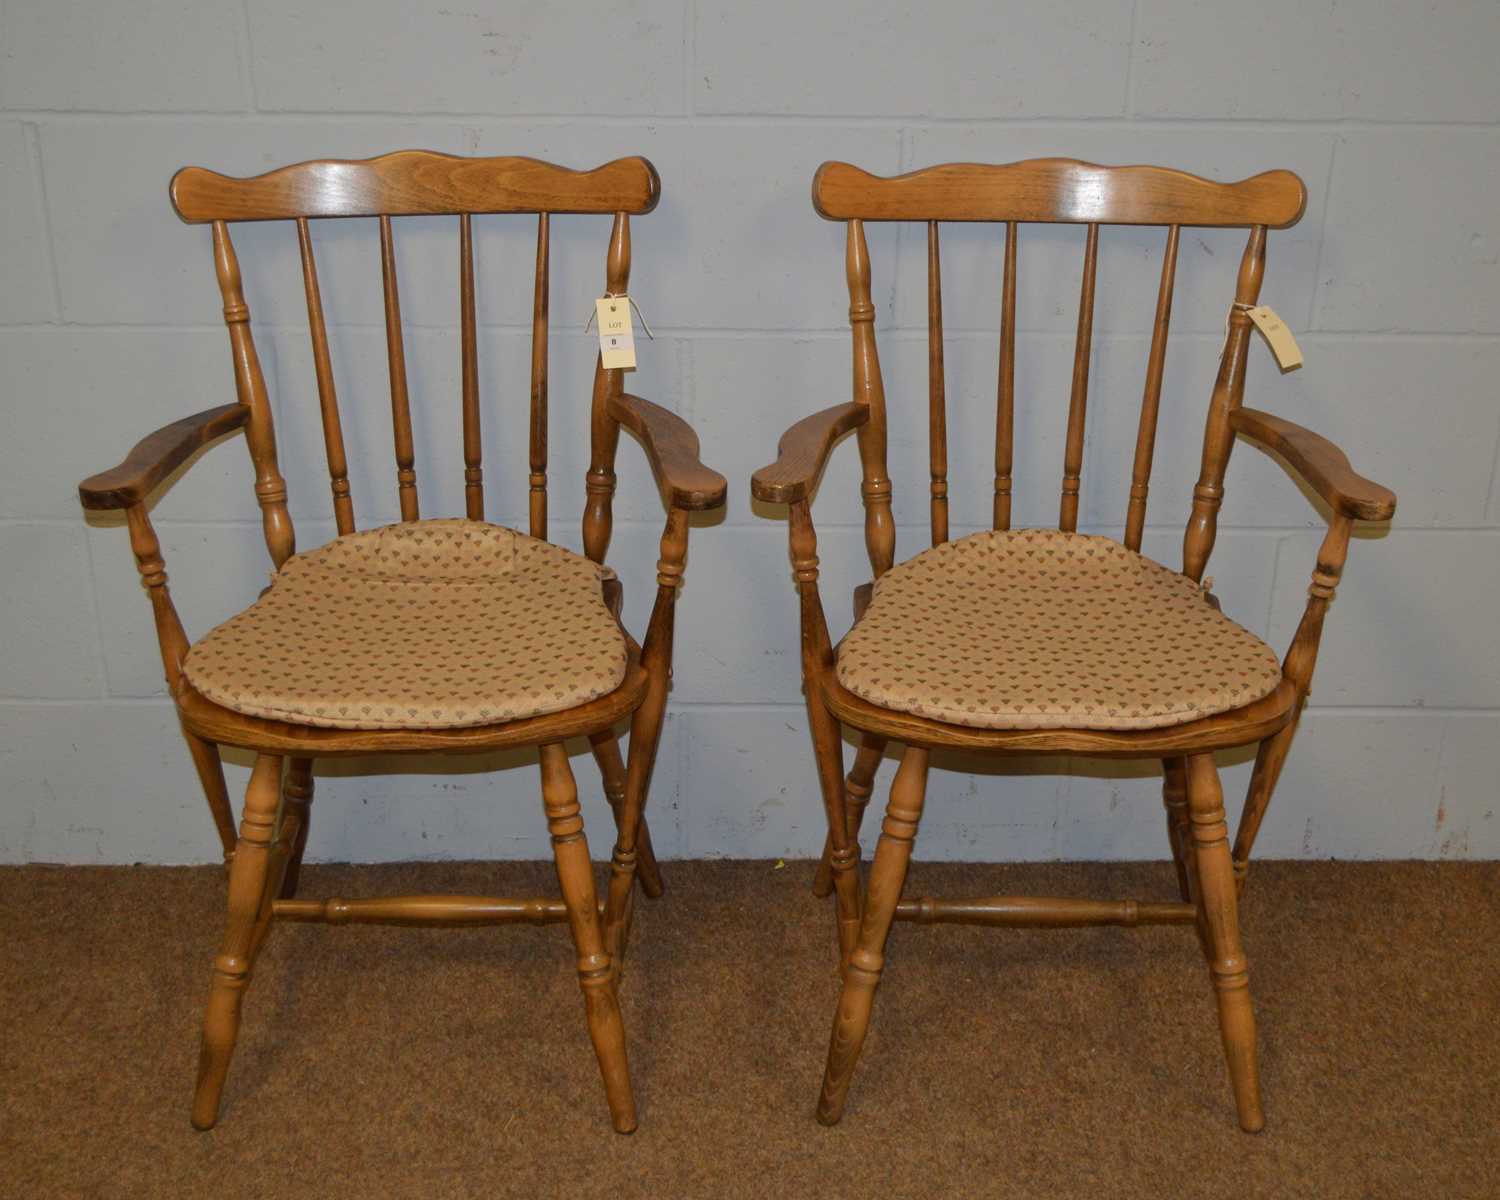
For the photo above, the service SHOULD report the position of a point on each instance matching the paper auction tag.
(616, 337)
(1278, 337)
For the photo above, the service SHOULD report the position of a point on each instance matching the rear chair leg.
(298, 791)
(1269, 760)
(1220, 920)
(612, 767)
(211, 775)
(862, 975)
(251, 887)
(857, 789)
(828, 749)
(575, 873)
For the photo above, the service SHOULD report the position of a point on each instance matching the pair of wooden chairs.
(460, 636)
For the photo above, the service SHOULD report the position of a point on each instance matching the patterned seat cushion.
(425, 625)
(1037, 629)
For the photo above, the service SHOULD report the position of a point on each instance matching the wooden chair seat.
(423, 625)
(201, 717)
(1237, 727)
(1041, 629)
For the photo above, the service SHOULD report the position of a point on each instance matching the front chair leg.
(862, 975)
(249, 909)
(1179, 824)
(575, 873)
(1219, 917)
(606, 748)
(857, 789)
(299, 795)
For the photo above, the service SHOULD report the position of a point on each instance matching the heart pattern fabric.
(423, 625)
(1040, 629)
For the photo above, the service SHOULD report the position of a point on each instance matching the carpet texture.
(378, 1061)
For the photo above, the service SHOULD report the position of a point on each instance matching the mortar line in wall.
(780, 707)
(1174, 527)
(33, 135)
(681, 752)
(1271, 591)
(1313, 307)
(654, 525)
(1494, 475)
(1398, 710)
(687, 381)
(689, 53)
(886, 121)
(1201, 336)
(898, 333)
(163, 701)
(100, 657)
(1435, 790)
(249, 59)
(1130, 76)
(1328, 710)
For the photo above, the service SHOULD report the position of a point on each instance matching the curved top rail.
(1057, 189)
(412, 183)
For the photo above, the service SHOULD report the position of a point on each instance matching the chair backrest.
(417, 183)
(1051, 191)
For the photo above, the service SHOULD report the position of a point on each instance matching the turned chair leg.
(575, 873)
(250, 890)
(857, 789)
(612, 768)
(298, 793)
(1219, 916)
(862, 973)
(1179, 824)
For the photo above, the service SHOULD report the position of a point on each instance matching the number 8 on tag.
(616, 338)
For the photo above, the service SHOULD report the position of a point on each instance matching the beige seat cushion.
(426, 625)
(1037, 629)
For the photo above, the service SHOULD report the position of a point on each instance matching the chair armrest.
(1320, 463)
(156, 456)
(803, 452)
(672, 449)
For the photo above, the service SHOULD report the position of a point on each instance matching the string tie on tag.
(589, 324)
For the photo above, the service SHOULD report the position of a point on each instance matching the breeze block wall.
(110, 326)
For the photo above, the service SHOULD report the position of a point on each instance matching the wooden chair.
(1042, 641)
(450, 636)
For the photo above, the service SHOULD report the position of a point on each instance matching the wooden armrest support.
(672, 449)
(803, 452)
(157, 455)
(1320, 463)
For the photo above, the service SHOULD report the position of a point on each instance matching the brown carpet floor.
(376, 1061)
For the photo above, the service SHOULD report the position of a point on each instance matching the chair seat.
(1039, 629)
(424, 625)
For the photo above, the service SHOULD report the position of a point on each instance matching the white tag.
(1278, 337)
(616, 338)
